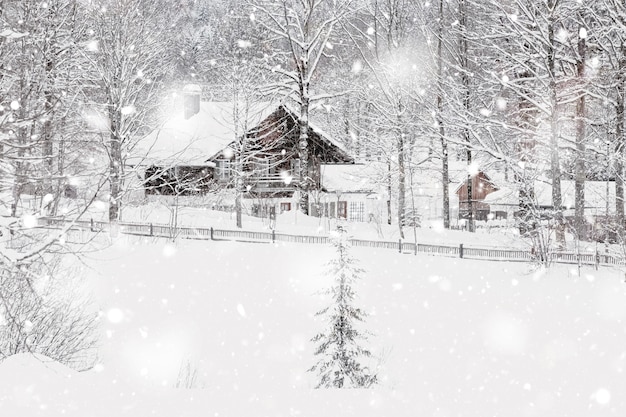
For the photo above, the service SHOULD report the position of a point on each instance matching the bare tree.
(41, 313)
(127, 66)
(386, 47)
(301, 32)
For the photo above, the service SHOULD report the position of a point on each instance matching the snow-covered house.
(482, 186)
(599, 198)
(210, 145)
(353, 192)
(182, 157)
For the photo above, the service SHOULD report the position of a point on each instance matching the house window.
(315, 210)
(224, 169)
(285, 207)
(357, 211)
(342, 209)
(500, 215)
(331, 212)
(295, 168)
(262, 167)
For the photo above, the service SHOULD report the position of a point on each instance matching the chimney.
(191, 99)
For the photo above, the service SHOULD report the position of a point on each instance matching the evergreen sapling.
(338, 347)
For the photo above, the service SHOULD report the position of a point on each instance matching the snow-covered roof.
(317, 129)
(505, 196)
(351, 178)
(463, 181)
(427, 182)
(193, 141)
(595, 195)
(371, 177)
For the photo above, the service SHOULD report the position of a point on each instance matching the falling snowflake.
(29, 221)
(115, 315)
(501, 103)
(28, 326)
(92, 46)
(243, 44)
(473, 169)
(169, 251)
(602, 396)
(130, 109)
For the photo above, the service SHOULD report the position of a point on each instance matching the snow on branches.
(339, 347)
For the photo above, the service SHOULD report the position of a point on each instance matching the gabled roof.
(318, 130)
(352, 178)
(193, 141)
(595, 195)
(197, 140)
(463, 181)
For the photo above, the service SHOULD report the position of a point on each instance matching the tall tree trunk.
(580, 175)
(303, 139)
(60, 172)
(115, 164)
(238, 192)
(401, 183)
(20, 169)
(239, 187)
(445, 176)
(619, 143)
(303, 147)
(525, 150)
(240, 151)
(464, 51)
(47, 134)
(20, 166)
(555, 164)
(389, 192)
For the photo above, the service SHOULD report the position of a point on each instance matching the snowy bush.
(42, 311)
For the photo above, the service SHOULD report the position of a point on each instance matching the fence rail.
(460, 251)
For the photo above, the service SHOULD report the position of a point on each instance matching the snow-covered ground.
(491, 234)
(295, 222)
(451, 337)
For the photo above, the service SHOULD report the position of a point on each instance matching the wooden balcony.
(271, 184)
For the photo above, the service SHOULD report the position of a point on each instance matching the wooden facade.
(268, 157)
(481, 187)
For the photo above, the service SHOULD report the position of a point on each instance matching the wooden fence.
(460, 251)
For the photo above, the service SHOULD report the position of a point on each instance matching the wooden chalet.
(202, 151)
(269, 156)
(482, 186)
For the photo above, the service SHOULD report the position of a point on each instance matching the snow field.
(452, 337)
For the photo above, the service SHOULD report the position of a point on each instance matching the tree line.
(530, 88)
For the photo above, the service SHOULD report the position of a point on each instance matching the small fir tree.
(339, 365)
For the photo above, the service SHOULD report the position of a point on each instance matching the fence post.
(597, 259)
(211, 233)
(460, 250)
(400, 245)
(273, 235)
(91, 225)
(151, 230)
